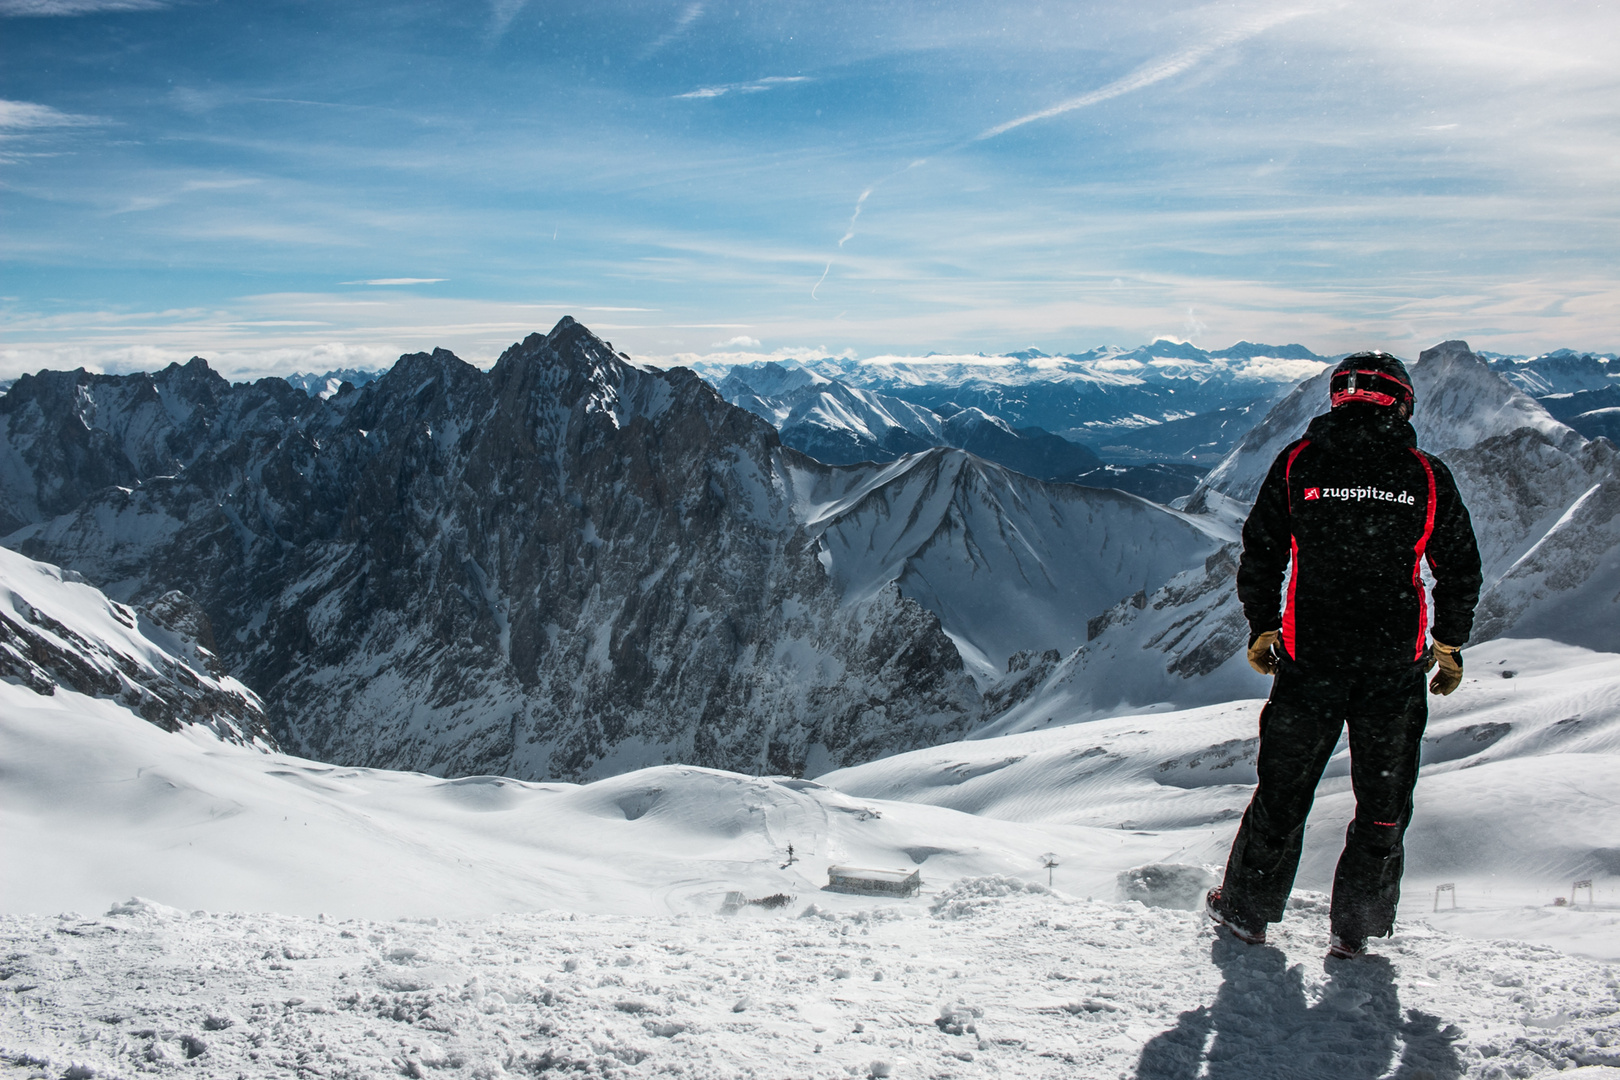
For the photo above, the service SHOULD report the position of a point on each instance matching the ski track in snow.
(991, 977)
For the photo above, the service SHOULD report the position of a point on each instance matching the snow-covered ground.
(990, 977)
(486, 927)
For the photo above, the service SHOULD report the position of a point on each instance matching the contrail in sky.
(1146, 75)
(823, 277)
(1156, 71)
(849, 230)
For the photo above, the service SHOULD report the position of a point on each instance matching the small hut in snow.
(852, 879)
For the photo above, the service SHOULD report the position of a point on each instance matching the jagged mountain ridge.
(66, 435)
(57, 632)
(328, 383)
(1562, 371)
(842, 425)
(1087, 396)
(1545, 505)
(567, 566)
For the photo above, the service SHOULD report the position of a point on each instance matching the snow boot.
(1346, 948)
(1239, 927)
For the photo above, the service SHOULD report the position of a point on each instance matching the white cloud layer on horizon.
(281, 332)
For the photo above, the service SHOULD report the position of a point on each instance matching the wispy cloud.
(741, 341)
(1156, 70)
(25, 115)
(15, 9)
(685, 19)
(770, 82)
(501, 14)
(397, 281)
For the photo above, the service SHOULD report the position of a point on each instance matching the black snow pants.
(1299, 727)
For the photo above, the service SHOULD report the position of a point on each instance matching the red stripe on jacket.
(1419, 549)
(1293, 554)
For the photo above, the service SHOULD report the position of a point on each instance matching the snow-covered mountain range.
(325, 385)
(1104, 398)
(567, 566)
(448, 558)
(573, 565)
(842, 425)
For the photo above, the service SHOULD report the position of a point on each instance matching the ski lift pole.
(1049, 860)
(1591, 896)
(1448, 887)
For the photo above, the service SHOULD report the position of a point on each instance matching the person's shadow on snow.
(1259, 1027)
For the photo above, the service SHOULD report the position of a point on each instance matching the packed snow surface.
(989, 977)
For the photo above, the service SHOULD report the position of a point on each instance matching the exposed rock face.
(57, 632)
(567, 566)
(67, 435)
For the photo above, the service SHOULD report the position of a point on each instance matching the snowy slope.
(59, 634)
(1007, 563)
(99, 806)
(991, 980)
(1512, 799)
(615, 960)
(827, 419)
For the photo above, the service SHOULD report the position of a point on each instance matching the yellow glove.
(1449, 677)
(1262, 654)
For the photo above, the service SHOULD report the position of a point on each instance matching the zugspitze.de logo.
(1359, 493)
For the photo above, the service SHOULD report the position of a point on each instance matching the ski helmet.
(1375, 378)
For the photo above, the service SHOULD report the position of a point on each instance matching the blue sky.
(293, 185)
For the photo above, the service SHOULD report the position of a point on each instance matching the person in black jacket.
(1347, 516)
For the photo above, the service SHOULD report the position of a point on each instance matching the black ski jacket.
(1348, 514)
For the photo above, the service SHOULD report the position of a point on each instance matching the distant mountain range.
(842, 425)
(324, 386)
(1099, 398)
(573, 565)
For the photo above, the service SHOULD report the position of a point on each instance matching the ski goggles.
(1374, 387)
